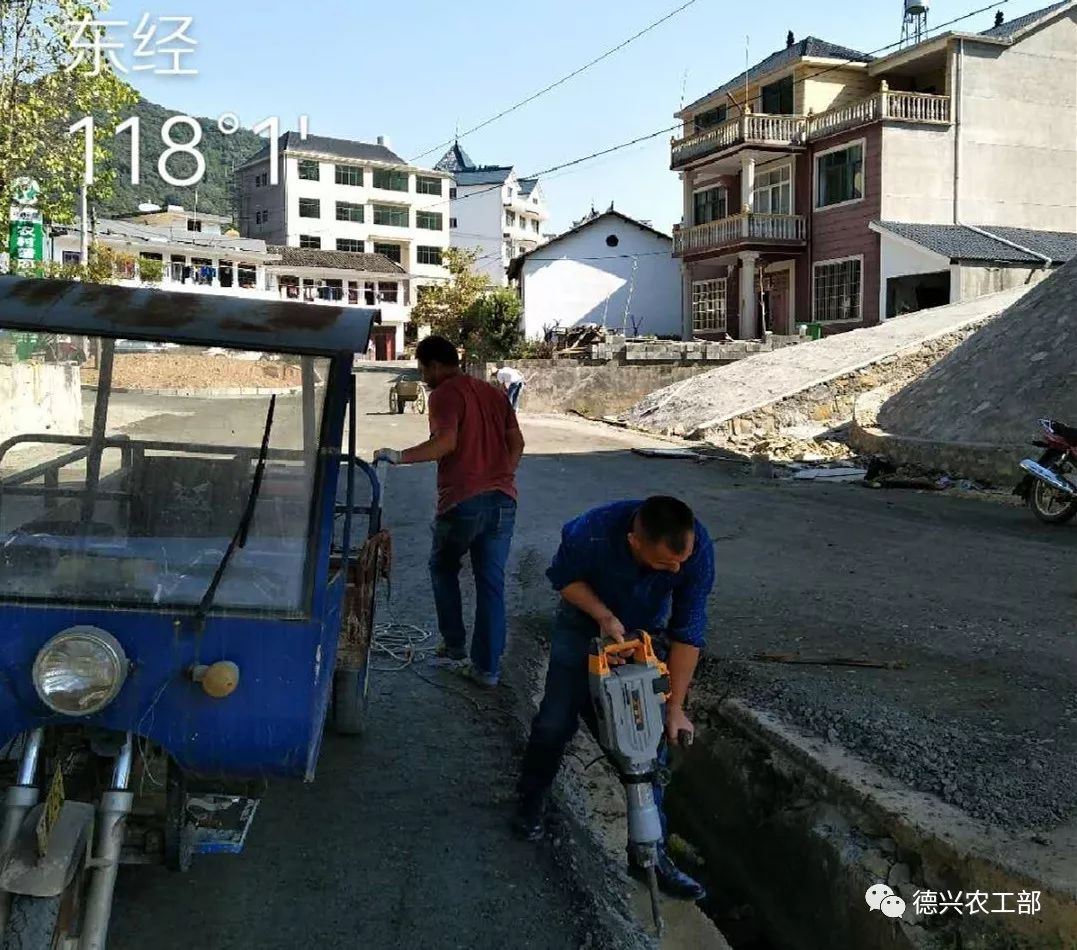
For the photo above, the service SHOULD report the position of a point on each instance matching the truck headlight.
(80, 671)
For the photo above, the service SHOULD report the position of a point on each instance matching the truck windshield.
(139, 509)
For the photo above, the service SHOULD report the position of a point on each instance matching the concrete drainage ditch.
(793, 831)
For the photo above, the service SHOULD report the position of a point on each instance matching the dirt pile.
(183, 371)
(993, 388)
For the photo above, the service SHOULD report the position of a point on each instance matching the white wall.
(1019, 130)
(918, 174)
(40, 397)
(479, 214)
(898, 259)
(560, 287)
(481, 224)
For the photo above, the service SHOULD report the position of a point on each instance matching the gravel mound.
(993, 388)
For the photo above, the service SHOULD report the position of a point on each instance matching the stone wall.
(39, 397)
(615, 375)
(985, 462)
(832, 403)
(592, 389)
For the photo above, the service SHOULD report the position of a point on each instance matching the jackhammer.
(629, 700)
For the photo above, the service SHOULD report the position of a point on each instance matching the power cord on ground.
(402, 646)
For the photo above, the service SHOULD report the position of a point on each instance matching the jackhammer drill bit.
(656, 910)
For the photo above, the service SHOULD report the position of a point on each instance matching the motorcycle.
(1050, 484)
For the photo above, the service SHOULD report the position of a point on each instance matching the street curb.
(234, 393)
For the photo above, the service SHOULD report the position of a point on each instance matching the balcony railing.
(739, 229)
(791, 130)
(763, 129)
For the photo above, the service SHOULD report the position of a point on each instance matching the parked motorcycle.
(1050, 485)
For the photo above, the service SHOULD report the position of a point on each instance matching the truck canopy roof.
(41, 305)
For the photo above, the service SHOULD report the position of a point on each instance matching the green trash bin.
(25, 344)
(815, 331)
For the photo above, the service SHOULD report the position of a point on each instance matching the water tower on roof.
(914, 23)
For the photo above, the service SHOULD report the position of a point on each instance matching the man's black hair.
(665, 520)
(436, 349)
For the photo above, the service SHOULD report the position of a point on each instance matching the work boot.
(529, 822)
(480, 677)
(672, 881)
(448, 656)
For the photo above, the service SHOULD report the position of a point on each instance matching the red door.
(384, 343)
(778, 298)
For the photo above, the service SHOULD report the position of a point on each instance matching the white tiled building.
(187, 260)
(493, 211)
(341, 195)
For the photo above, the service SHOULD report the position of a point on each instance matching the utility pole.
(84, 228)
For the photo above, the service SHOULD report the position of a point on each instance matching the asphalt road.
(402, 841)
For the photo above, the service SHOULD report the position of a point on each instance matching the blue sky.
(412, 71)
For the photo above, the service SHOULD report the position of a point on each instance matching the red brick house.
(791, 170)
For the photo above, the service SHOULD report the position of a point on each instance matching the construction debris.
(831, 474)
(779, 448)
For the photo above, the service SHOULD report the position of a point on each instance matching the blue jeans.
(482, 527)
(514, 394)
(566, 699)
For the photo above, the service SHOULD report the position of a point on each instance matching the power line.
(561, 81)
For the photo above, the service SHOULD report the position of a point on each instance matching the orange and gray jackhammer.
(629, 698)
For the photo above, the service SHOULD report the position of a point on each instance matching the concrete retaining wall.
(593, 389)
(985, 462)
(833, 402)
(39, 397)
(616, 374)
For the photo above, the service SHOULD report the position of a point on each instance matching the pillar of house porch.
(747, 182)
(688, 326)
(688, 206)
(749, 298)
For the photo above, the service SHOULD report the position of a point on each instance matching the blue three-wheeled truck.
(184, 598)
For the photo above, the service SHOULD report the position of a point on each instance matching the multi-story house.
(824, 185)
(494, 211)
(172, 257)
(350, 197)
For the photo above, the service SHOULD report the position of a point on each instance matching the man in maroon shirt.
(477, 443)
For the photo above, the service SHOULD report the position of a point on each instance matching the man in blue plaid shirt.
(628, 566)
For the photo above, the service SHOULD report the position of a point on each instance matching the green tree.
(40, 97)
(493, 325)
(444, 307)
(150, 270)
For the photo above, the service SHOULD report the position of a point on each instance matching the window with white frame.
(310, 208)
(774, 191)
(837, 290)
(310, 170)
(351, 244)
(709, 305)
(839, 176)
(351, 175)
(310, 242)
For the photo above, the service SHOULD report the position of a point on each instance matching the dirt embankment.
(189, 371)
